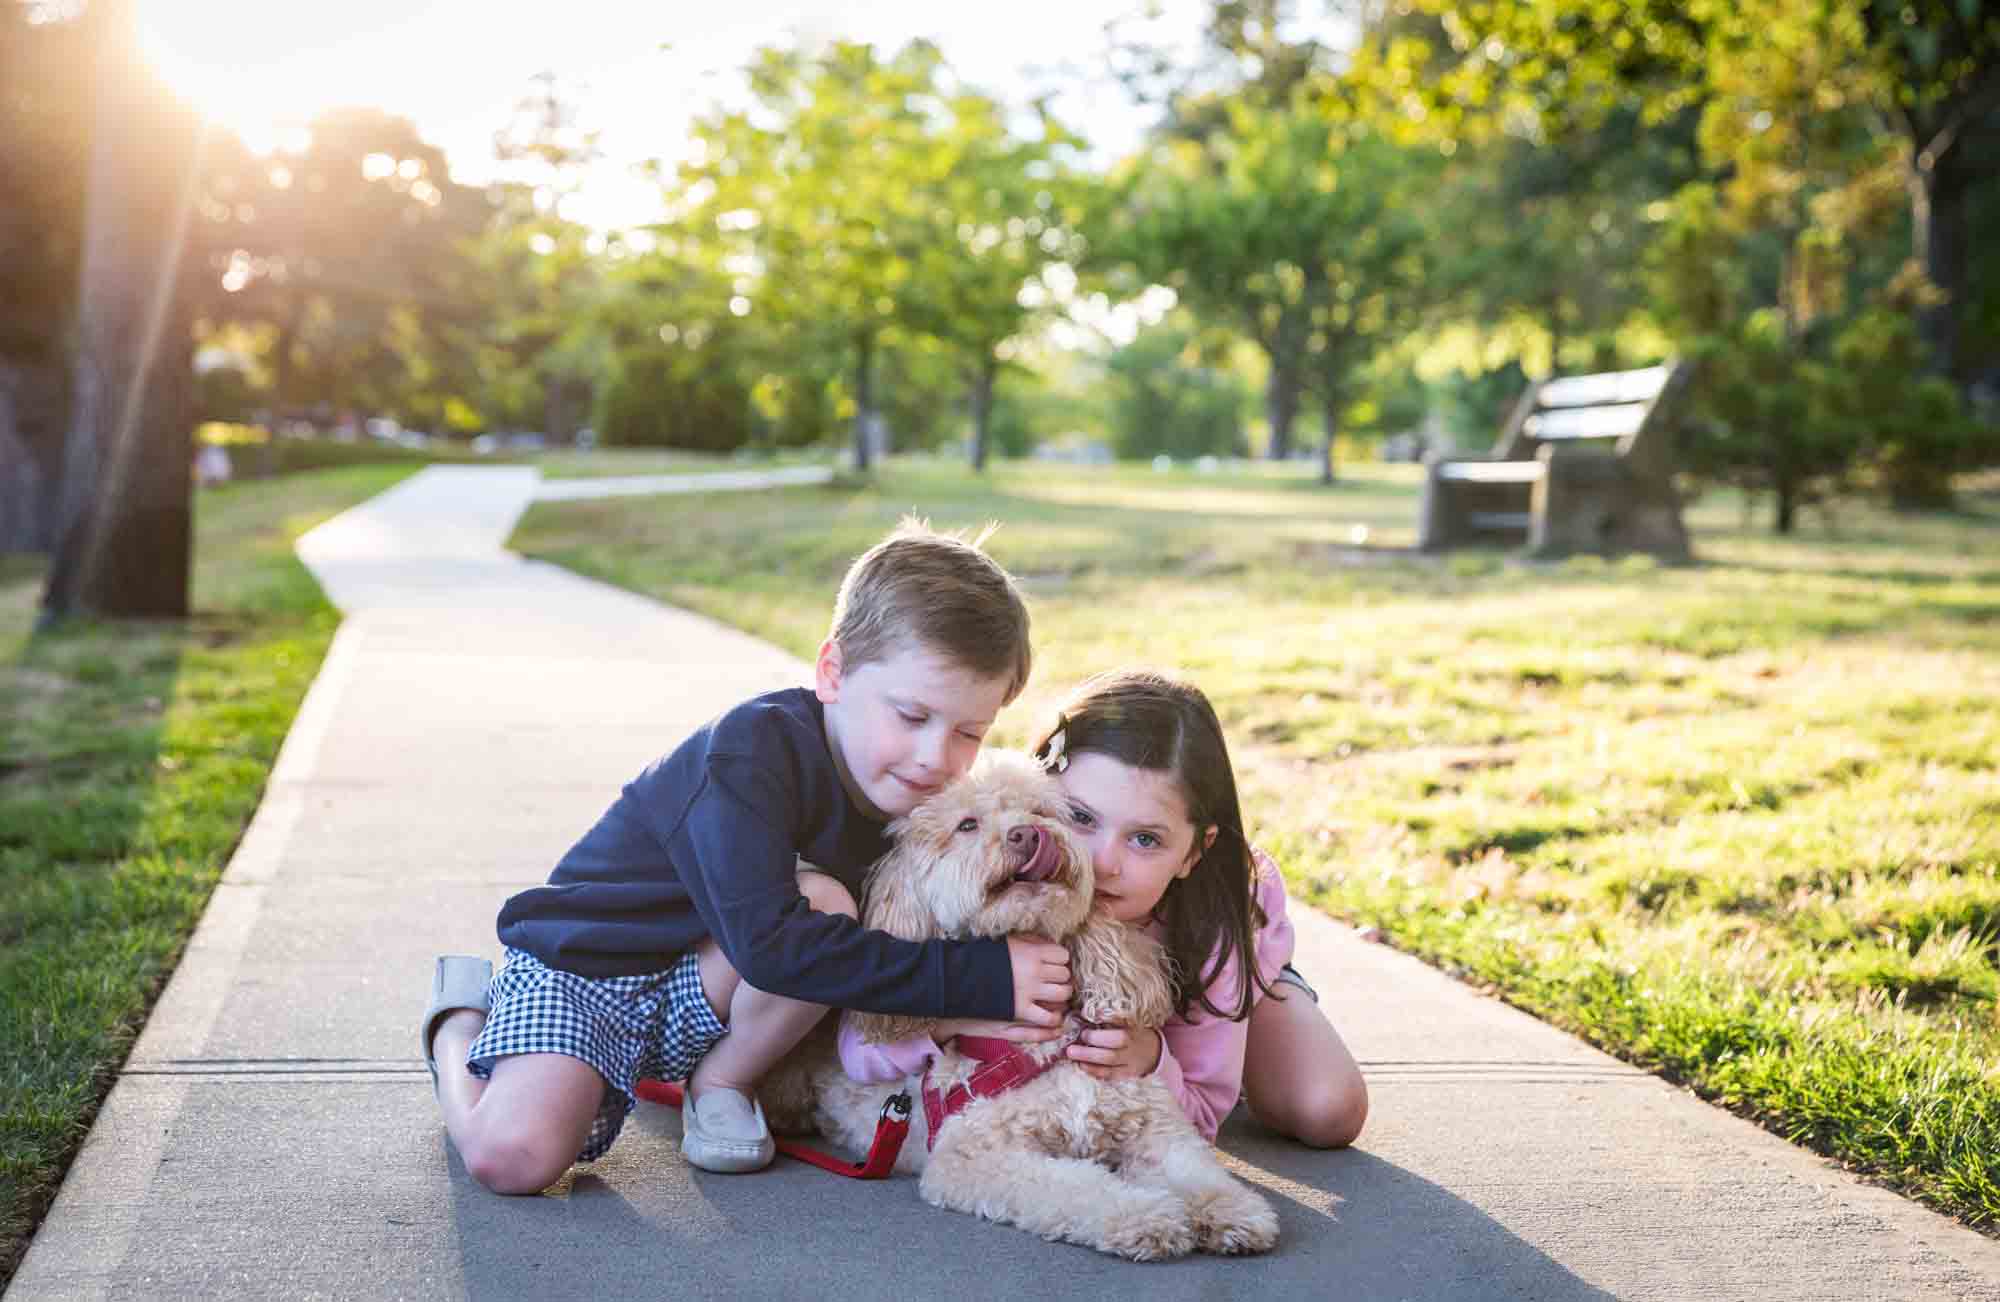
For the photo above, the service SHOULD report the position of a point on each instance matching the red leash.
(881, 1160)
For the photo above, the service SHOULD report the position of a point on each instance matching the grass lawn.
(132, 754)
(1738, 822)
(599, 463)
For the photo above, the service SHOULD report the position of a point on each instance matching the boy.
(682, 914)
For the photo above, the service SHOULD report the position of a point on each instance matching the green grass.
(131, 757)
(598, 463)
(1738, 822)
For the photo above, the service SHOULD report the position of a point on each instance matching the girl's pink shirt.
(1201, 1055)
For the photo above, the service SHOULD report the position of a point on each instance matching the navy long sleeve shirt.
(706, 842)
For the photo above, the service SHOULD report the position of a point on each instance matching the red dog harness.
(1003, 1065)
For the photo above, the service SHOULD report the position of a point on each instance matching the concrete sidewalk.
(273, 1134)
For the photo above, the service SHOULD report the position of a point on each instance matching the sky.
(638, 70)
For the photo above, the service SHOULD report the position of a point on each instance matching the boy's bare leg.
(763, 1027)
(1298, 1075)
(519, 1131)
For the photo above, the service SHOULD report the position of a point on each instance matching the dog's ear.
(889, 897)
(1122, 974)
(890, 903)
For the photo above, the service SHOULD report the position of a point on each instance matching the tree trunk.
(34, 402)
(982, 407)
(864, 397)
(1281, 405)
(1938, 192)
(1939, 186)
(124, 529)
(1788, 504)
(1330, 406)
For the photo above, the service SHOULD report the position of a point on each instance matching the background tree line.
(1372, 218)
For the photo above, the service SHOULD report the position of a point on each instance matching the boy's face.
(903, 726)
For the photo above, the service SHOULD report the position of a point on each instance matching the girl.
(1151, 791)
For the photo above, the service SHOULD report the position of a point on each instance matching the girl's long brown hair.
(1150, 721)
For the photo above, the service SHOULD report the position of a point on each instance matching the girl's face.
(1137, 828)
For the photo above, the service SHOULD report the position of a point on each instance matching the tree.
(1375, 269)
(681, 366)
(345, 254)
(44, 153)
(1931, 72)
(1298, 230)
(1006, 208)
(1782, 86)
(1168, 400)
(125, 518)
(815, 198)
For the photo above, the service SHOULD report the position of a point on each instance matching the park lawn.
(1737, 822)
(600, 463)
(132, 756)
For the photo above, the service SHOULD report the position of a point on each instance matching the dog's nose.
(1026, 838)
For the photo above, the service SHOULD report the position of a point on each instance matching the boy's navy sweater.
(706, 842)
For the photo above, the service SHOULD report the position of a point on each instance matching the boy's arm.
(739, 868)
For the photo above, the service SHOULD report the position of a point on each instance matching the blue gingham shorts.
(629, 1028)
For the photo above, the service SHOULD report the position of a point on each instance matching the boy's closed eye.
(915, 719)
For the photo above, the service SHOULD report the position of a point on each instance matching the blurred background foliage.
(1322, 243)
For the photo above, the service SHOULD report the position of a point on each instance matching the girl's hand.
(1015, 1032)
(1117, 1052)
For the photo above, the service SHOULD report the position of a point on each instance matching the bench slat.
(1491, 472)
(1596, 390)
(1497, 519)
(1586, 422)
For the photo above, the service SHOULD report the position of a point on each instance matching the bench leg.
(1438, 527)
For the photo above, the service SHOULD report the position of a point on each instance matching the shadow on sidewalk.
(640, 1223)
(1382, 1231)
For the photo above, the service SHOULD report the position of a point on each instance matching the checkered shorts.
(629, 1028)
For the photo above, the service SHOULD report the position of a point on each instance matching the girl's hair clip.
(1053, 755)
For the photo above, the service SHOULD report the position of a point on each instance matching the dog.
(1111, 1164)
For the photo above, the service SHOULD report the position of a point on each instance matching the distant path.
(273, 1134)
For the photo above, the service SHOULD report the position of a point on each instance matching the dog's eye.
(968, 825)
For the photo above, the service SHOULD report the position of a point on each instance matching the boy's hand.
(1042, 986)
(1117, 1052)
(1016, 1032)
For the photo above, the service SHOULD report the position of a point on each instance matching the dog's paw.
(1152, 1229)
(1234, 1223)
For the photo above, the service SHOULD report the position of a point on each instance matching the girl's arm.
(1201, 1057)
(1201, 1064)
(876, 1064)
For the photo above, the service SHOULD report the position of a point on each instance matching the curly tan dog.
(1114, 1165)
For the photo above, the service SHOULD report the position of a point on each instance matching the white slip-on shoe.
(724, 1130)
(459, 981)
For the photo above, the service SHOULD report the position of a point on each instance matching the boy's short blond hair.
(938, 590)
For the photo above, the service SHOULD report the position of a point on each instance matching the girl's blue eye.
(1081, 817)
(1147, 840)
(914, 720)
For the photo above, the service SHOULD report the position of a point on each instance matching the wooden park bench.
(1552, 482)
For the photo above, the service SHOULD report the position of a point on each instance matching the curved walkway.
(273, 1134)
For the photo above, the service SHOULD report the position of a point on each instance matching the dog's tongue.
(1042, 864)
